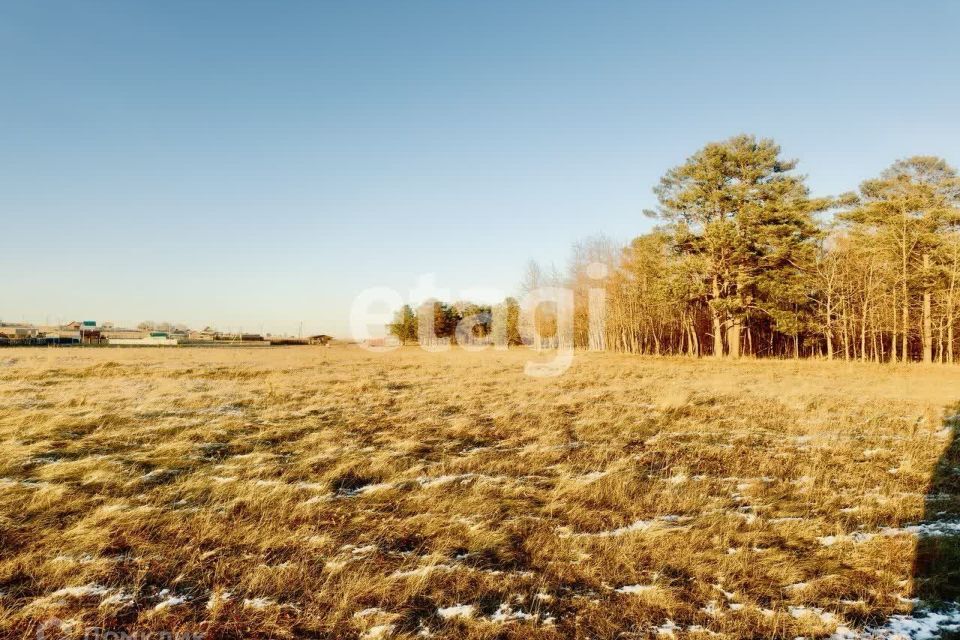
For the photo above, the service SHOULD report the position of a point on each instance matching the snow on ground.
(119, 599)
(928, 529)
(923, 530)
(258, 603)
(377, 632)
(922, 624)
(506, 613)
(419, 572)
(456, 611)
(637, 588)
(639, 525)
(217, 598)
(168, 600)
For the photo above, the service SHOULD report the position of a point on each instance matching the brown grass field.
(335, 493)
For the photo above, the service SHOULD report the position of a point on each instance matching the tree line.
(463, 323)
(744, 261)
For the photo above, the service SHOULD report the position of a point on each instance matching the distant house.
(87, 332)
(321, 339)
(15, 332)
(57, 334)
(207, 335)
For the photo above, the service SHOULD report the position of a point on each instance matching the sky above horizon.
(258, 164)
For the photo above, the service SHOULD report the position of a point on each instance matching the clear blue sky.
(258, 163)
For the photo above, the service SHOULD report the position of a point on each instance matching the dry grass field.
(335, 493)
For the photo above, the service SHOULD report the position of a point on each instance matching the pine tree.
(404, 325)
(738, 207)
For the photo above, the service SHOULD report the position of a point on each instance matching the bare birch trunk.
(905, 290)
(717, 322)
(893, 336)
(829, 330)
(733, 337)
(927, 317)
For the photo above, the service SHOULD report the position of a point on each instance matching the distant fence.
(144, 342)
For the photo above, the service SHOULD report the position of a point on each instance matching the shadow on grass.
(936, 565)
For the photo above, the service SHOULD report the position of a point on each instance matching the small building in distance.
(90, 332)
(208, 334)
(322, 339)
(18, 332)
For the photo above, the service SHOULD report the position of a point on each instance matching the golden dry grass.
(317, 493)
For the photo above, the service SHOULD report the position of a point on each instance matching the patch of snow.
(119, 599)
(218, 597)
(168, 600)
(377, 632)
(924, 530)
(638, 525)
(361, 551)
(259, 603)
(456, 611)
(419, 572)
(856, 537)
(801, 612)
(727, 594)
(711, 608)
(927, 529)
(370, 488)
(83, 591)
(674, 518)
(156, 475)
(637, 588)
(921, 624)
(505, 613)
(667, 628)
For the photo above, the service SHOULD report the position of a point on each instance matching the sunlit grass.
(329, 492)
